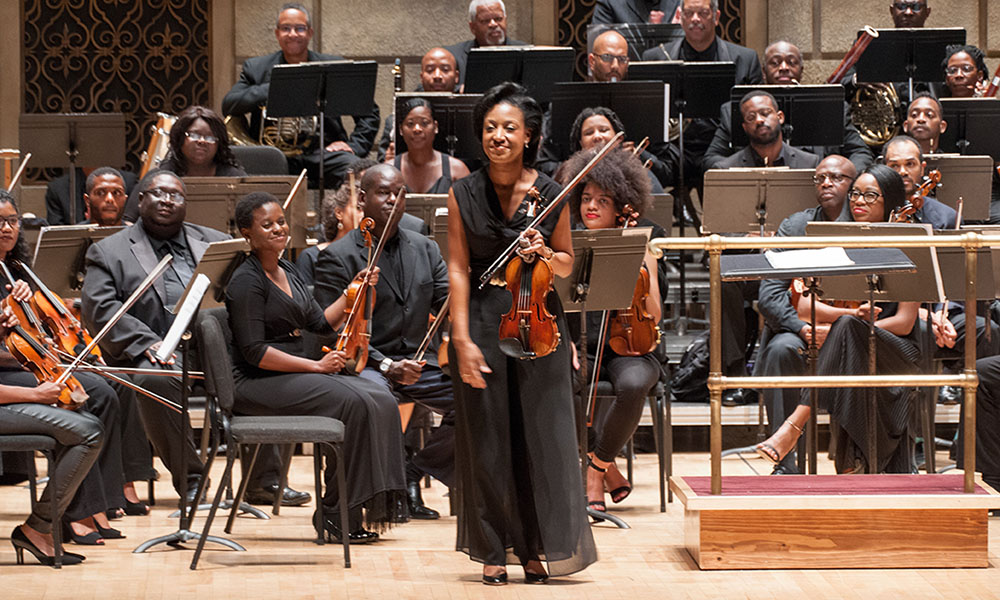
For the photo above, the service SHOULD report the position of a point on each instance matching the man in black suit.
(412, 281)
(57, 210)
(105, 197)
(783, 66)
(115, 268)
(762, 123)
(488, 24)
(338, 150)
(637, 11)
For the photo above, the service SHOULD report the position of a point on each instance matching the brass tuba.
(875, 112)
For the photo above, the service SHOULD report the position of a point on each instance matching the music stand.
(965, 178)
(334, 87)
(972, 124)
(642, 106)
(814, 114)
(748, 200)
(217, 264)
(868, 263)
(537, 68)
(916, 51)
(439, 231)
(640, 36)
(180, 332)
(86, 139)
(608, 261)
(425, 206)
(211, 202)
(457, 135)
(65, 246)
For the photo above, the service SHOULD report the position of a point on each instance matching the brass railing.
(715, 244)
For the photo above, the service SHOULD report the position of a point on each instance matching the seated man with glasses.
(909, 14)
(608, 59)
(762, 123)
(115, 267)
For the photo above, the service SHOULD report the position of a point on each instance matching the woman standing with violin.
(875, 194)
(515, 450)
(102, 485)
(615, 193)
(269, 307)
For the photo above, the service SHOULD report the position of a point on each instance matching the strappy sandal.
(769, 452)
(598, 505)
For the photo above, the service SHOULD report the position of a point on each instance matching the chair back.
(261, 160)
(215, 361)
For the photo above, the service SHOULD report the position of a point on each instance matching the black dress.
(262, 315)
(442, 184)
(516, 450)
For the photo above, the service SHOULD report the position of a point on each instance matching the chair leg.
(667, 437)
(629, 454)
(320, 522)
(286, 463)
(226, 475)
(152, 496)
(243, 487)
(342, 489)
(57, 542)
(33, 479)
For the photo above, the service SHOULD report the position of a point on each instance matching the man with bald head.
(783, 66)
(608, 59)
(438, 73)
(783, 343)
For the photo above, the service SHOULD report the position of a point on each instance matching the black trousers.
(434, 391)
(739, 324)
(987, 422)
(631, 377)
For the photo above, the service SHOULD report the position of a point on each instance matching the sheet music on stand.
(737, 200)
(211, 202)
(59, 255)
(217, 264)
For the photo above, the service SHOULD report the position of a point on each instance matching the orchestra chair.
(47, 446)
(261, 160)
(214, 342)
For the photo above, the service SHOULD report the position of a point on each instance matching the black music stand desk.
(965, 178)
(814, 114)
(972, 126)
(754, 200)
(915, 51)
(537, 68)
(63, 246)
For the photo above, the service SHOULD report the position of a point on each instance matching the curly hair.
(975, 53)
(576, 131)
(20, 250)
(620, 174)
(517, 96)
(248, 204)
(223, 153)
(328, 209)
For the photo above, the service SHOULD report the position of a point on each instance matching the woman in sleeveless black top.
(421, 161)
(515, 450)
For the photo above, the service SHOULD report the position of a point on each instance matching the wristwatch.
(384, 365)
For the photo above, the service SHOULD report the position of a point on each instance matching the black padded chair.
(47, 446)
(254, 431)
(261, 160)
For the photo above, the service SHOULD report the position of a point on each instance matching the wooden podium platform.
(836, 521)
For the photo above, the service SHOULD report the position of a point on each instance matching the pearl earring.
(340, 225)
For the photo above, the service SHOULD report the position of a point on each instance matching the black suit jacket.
(631, 11)
(853, 147)
(250, 93)
(793, 159)
(57, 197)
(461, 53)
(399, 320)
(115, 267)
(748, 69)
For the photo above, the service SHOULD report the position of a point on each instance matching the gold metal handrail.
(715, 244)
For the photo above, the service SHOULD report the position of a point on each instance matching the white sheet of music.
(834, 256)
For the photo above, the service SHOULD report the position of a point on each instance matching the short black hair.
(902, 139)
(927, 95)
(576, 131)
(892, 187)
(249, 203)
(620, 174)
(975, 53)
(101, 172)
(755, 93)
(516, 96)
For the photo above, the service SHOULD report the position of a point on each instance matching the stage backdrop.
(138, 58)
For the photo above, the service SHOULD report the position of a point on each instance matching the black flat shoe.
(535, 578)
(418, 510)
(499, 579)
(265, 496)
(22, 543)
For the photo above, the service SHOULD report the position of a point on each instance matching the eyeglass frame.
(608, 58)
(196, 137)
(855, 194)
(913, 6)
(14, 221)
(834, 178)
(161, 195)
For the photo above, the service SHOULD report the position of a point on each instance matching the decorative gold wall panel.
(137, 58)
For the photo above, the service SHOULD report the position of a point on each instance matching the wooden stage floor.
(418, 560)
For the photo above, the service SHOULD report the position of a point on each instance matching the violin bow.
(426, 342)
(145, 285)
(20, 170)
(549, 209)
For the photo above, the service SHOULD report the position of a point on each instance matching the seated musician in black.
(424, 169)
(987, 423)
(615, 193)
(762, 123)
(783, 341)
(488, 24)
(413, 282)
(57, 208)
(925, 123)
(965, 72)
(783, 65)
(335, 153)
(276, 374)
(105, 197)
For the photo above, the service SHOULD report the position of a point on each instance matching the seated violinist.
(615, 193)
(412, 282)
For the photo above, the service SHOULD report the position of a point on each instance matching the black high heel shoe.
(498, 579)
(110, 533)
(21, 543)
(358, 536)
(530, 577)
(596, 505)
(136, 509)
(91, 539)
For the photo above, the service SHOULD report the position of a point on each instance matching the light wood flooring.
(418, 560)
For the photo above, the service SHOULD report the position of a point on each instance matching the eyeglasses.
(197, 137)
(161, 195)
(751, 116)
(869, 197)
(704, 13)
(14, 221)
(834, 178)
(299, 29)
(964, 69)
(102, 192)
(912, 6)
(609, 58)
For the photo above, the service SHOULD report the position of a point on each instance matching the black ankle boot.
(416, 502)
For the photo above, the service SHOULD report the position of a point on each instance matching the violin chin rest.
(513, 348)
